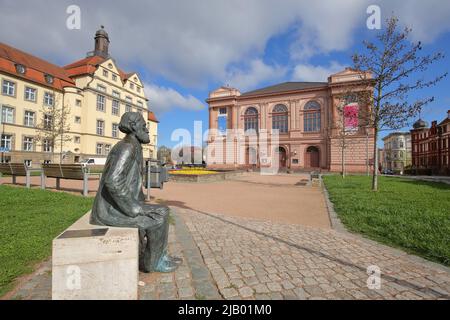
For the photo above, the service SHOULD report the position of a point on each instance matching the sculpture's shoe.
(173, 259)
(165, 265)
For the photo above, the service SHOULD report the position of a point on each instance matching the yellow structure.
(93, 91)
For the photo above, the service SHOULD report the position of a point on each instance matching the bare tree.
(394, 62)
(352, 94)
(53, 126)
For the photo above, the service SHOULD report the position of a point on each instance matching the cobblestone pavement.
(239, 258)
(252, 259)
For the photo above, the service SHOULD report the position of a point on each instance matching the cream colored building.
(397, 151)
(94, 91)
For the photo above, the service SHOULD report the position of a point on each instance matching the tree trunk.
(375, 161)
(343, 159)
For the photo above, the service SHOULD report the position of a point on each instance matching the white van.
(93, 161)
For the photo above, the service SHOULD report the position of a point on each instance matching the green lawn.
(409, 214)
(29, 220)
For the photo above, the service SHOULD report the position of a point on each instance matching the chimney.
(448, 114)
(101, 43)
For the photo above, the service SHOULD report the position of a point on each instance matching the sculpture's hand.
(136, 211)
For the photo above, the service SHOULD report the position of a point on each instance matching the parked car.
(388, 171)
(93, 161)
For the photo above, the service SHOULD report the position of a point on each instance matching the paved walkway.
(276, 198)
(267, 251)
(239, 258)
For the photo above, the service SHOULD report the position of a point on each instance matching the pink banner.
(351, 117)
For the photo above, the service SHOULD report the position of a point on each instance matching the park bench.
(18, 170)
(68, 171)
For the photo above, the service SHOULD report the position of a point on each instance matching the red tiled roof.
(152, 117)
(89, 66)
(36, 68)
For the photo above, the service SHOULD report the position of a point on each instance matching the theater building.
(431, 146)
(94, 91)
(308, 120)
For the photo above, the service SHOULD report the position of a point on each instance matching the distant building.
(95, 91)
(397, 151)
(431, 146)
(306, 116)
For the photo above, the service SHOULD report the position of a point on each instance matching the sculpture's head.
(134, 123)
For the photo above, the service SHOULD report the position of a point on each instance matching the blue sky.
(184, 49)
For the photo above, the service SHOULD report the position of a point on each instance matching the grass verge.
(29, 220)
(404, 213)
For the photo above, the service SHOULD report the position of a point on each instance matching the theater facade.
(309, 118)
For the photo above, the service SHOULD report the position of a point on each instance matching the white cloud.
(195, 42)
(163, 99)
(256, 73)
(308, 72)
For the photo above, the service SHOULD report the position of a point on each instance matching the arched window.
(251, 119)
(311, 116)
(280, 118)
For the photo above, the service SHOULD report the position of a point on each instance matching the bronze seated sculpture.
(120, 200)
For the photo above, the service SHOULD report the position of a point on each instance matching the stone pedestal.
(95, 262)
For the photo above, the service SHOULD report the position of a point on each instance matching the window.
(138, 89)
(27, 163)
(251, 119)
(29, 119)
(107, 149)
(311, 117)
(280, 118)
(222, 121)
(20, 68)
(27, 144)
(105, 73)
(47, 145)
(7, 115)
(115, 130)
(114, 77)
(115, 107)
(131, 86)
(49, 99)
(6, 141)
(128, 107)
(48, 122)
(77, 139)
(78, 103)
(101, 102)
(30, 94)
(9, 88)
(77, 119)
(101, 88)
(116, 94)
(100, 127)
(99, 149)
(140, 104)
(49, 79)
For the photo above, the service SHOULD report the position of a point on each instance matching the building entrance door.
(282, 157)
(312, 157)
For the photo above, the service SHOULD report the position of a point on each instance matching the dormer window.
(49, 79)
(20, 68)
